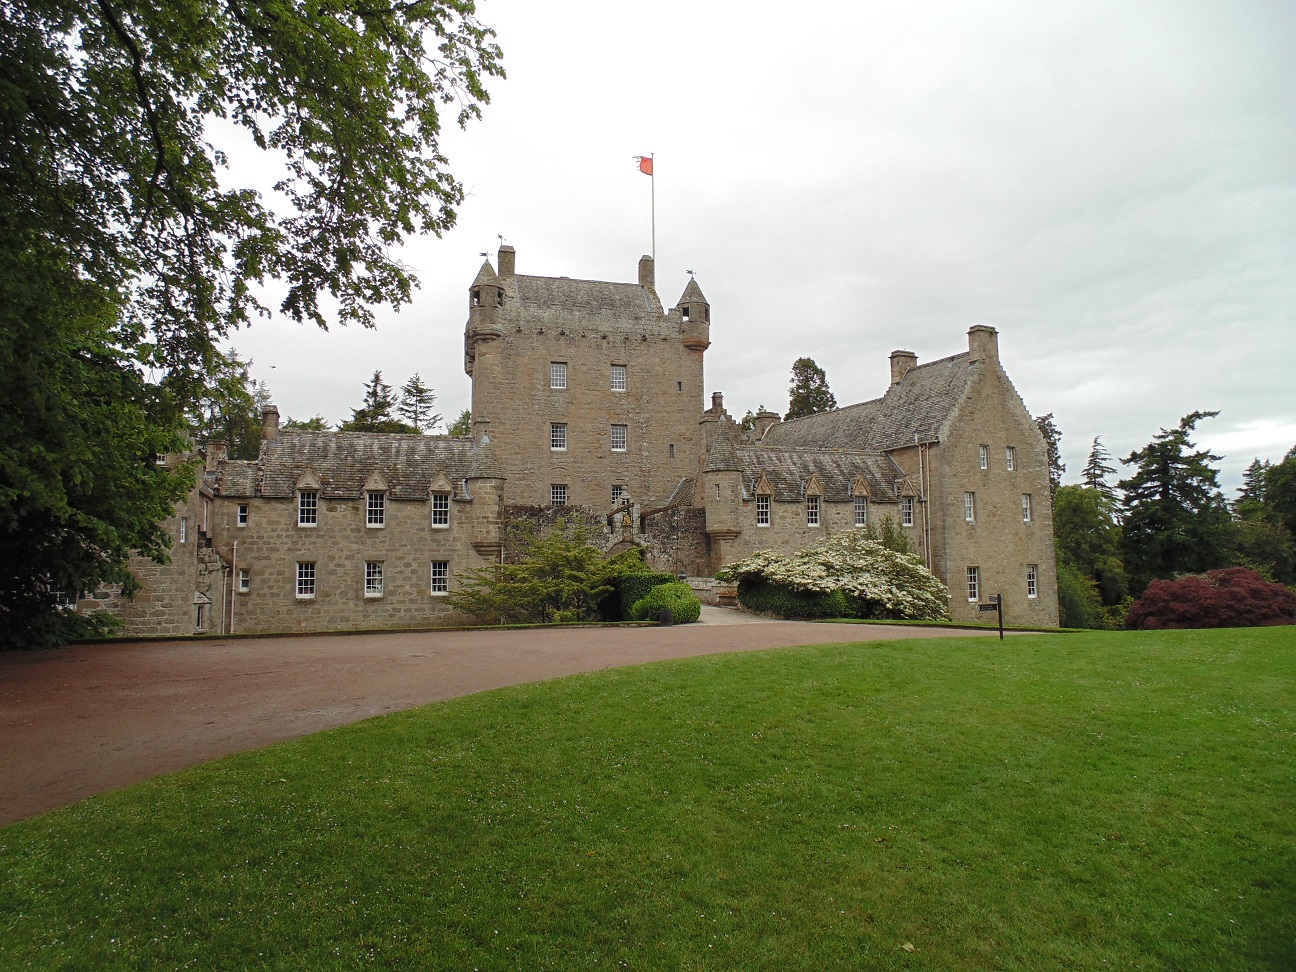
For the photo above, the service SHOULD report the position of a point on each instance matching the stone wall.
(672, 540)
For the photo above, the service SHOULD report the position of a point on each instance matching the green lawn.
(1096, 801)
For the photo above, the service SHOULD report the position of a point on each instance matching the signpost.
(995, 604)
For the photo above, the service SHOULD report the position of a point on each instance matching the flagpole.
(653, 180)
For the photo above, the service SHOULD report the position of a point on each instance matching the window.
(558, 436)
(618, 494)
(1010, 458)
(375, 509)
(1026, 507)
(440, 509)
(670, 451)
(557, 374)
(812, 511)
(619, 438)
(974, 583)
(969, 507)
(861, 511)
(305, 578)
(685, 311)
(558, 494)
(440, 577)
(373, 579)
(679, 386)
(906, 511)
(65, 601)
(244, 580)
(762, 511)
(618, 377)
(307, 508)
(184, 529)
(1032, 580)
(983, 453)
(242, 514)
(198, 617)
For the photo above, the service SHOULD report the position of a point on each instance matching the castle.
(587, 403)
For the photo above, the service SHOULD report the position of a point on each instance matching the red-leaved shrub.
(1232, 598)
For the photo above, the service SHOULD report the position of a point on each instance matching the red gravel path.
(85, 719)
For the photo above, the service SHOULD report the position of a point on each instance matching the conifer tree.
(462, 425)
(809, 393)
(1052, 451)
(416, 403)
(378, 413)
(1097, 469)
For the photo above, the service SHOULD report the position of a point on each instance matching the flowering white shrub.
(876, 582)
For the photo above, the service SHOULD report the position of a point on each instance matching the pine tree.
(462, 425)
(809, 393)
(1052, 451)
(1176, 520)
(1097, 469)
(416, 403)
(378, 413)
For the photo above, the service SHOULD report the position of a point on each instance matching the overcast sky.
(1112, 185)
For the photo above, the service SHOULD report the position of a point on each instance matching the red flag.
(645, 164)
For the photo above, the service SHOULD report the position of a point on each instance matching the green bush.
(675, 596)
(758, 595)
(631, 588)
(1079, 603)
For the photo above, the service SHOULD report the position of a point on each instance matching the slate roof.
(722, 454)
(692, 292)
(344, 462)
(573, 304)
(918, 406)
(788, 470)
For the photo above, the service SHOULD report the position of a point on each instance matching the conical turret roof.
(692, 293)
(486, 275)
(722, 456)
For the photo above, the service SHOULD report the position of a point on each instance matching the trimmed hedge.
(676, 596)
(757, 595)
(629, 588)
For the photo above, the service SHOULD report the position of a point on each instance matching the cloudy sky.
(1112, 185)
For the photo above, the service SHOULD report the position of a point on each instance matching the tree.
(128, 254)
(748, 422)
(1280, 490)
(316, 423)
(1263, 540)
(1052, 451)
(416, 403)
(462, 425)
(809, 393)
(378, 413)
(1088, 538)
(1097, 469)
(1176, 521)
(230, 407)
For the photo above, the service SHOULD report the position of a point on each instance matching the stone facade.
(587, 403)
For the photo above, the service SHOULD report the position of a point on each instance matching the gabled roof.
(919, 405)
(344, 461)
(788, 470)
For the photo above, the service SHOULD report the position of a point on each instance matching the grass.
(1094, 801)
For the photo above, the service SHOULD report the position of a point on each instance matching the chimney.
(507, 260)
(217, 449)
(763, 422)
(901, 363)
(269, 424)
(647, 273)
(983, 343)
(717, 402)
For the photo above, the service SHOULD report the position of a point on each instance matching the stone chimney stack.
(507, 260)
(647, 272)
(901, 363)
(763, 422)
(217, 449)
(717, 402)
(983, 343)
(269, 424)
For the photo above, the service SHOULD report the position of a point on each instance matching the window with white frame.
(558, 494)
(557, 374)
(305, 578)
(184, 529)
(307, 508)
(373, 578)
(440, 509)
(375, 509)
(619, 438)
(1032, 580)
(618, 377)
(861, 511)
(65, 601)
(1027, 508)
(242, 514)
(969, 507)
(618, 494)
(974, 583)
(906, 511)
(762, 511)
(983, 455)
(440, 577)
(812, 511)
(558, 436)
(244, 580)
(1010, 458)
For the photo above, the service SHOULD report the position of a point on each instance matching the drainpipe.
(233, 586)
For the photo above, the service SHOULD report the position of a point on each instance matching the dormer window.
(375, 509)
(307, 507)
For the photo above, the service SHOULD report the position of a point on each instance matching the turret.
(485, 298)
(695, 317)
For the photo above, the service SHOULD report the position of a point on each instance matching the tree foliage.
(1052, 450)
(1088, 538)
(462, 425)
(316, 423)
(128, 253)
(1230, 598)
(809, 392)
(230, 407)
(674, 596)
(416, 401)
(1176, 521)
(1263, 516)
(378, 413)
(1097, 469)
